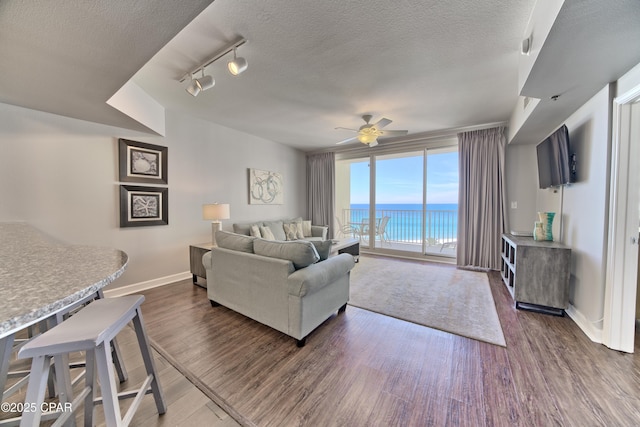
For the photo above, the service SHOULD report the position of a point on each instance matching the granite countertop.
(39, 275)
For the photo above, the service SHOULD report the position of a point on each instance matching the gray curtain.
(481, 201)
(321, 189)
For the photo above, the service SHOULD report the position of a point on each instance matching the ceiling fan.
(369, 133)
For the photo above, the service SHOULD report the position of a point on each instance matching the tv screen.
(554, 160)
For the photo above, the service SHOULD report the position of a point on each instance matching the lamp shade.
(216, 211)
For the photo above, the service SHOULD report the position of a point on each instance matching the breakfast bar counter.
(40, 277)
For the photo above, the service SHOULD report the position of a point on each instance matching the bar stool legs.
(110, 395)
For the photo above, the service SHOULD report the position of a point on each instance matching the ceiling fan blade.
(352, 139)
(389, 133)
(339, 127)
(382, 123)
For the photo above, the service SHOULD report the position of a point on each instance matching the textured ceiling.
(69, 57)
(313, 66)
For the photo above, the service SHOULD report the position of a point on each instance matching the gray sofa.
(279, 284)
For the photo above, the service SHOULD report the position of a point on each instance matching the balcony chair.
(345, 230)
(381, 229)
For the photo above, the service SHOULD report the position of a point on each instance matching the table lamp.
(215, 212)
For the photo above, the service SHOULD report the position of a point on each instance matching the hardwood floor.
(364, 369)
(186, 404)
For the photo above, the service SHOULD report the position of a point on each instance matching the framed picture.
(140, 206)
(141, 162)
(265, 188)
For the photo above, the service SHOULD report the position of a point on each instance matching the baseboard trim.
(149, 284)
(593, 333)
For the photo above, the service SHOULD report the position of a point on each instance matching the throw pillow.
(300, 253)
(266, 233)
(255, 231)
(323, 247)
(233, 241)
(306, 228)
(293, 231)
(277, 229)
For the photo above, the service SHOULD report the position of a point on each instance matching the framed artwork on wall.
(141, 206)
(142, 162)
(265, 188)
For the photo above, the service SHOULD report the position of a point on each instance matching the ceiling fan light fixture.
(367, 138)
(237, 65)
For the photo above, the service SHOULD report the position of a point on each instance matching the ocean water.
(405, 222)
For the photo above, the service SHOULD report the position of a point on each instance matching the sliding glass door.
(401, 202)
(398, 220)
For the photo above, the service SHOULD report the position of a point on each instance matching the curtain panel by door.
(482, 197)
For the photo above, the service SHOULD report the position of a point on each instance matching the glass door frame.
(372, 157)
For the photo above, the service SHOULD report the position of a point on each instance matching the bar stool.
(90, 330)
(11, 344)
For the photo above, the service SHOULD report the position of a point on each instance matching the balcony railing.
(406, 226)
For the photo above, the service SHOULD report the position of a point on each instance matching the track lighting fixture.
(198, 85)
(236, 66)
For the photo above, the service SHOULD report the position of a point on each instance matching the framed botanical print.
(140, 206)
(142, 162)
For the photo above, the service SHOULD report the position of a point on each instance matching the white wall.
(581, 207)
(629, 81)
(585, 207)
(522, 185)
(61, 175)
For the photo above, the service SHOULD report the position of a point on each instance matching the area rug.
(440, 297)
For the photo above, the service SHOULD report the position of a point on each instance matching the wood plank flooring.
(186, 404)
(364, 369)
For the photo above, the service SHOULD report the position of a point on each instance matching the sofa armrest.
(320, 231)
(316, 276)
(206, 260)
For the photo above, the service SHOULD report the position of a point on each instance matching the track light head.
(206, 82)
(198, 85)
(193, 88)
(237, 65)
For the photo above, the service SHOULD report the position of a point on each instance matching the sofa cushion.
(266, 233)
(323, 247)
(277, 229)
(299, 252)
(244, 227)
(236, 242)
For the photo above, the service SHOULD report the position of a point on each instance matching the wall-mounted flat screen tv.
(555, 162)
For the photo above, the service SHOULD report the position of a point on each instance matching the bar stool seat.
(91, 330)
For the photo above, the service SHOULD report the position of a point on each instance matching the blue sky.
(399, 181)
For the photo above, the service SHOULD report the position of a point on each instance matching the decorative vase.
(546, 218)
(538, 231)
